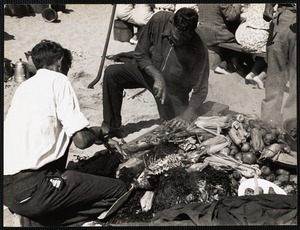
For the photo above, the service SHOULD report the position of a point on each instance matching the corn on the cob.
(216, 148)
(214, 141)
(257, 140)
(147, 200)
(212, 121)
(234, 136)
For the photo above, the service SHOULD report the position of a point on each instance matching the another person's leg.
(290, 106)
(116, 79)
(277, 58)
(256, 73)
(142, 14)
(124, 12)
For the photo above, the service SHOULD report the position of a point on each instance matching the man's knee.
(124, 11)
(111, 72)
(120, 188)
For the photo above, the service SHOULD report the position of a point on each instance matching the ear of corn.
(147, 200)
(216, 148)
(221, 121)
(257, 140)
(212, 124)
(234, 136)
(214, 141)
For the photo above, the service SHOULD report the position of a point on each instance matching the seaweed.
(172, 188)
(103, 163)
(131, 211)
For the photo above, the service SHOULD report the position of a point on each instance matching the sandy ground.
(83, 30)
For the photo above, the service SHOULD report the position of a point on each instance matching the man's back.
(33, 131)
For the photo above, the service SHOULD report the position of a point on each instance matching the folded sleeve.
(67, 107)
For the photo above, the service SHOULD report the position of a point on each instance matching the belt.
(21, 175)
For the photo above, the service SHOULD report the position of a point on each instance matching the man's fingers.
(172, 123)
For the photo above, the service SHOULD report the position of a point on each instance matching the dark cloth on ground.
(267, 209)
(103, 163)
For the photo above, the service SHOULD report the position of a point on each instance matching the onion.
(265, 170)
(249, 158)
(246, 147)
(238, 156)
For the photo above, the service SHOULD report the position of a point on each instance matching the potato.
(283, 178)
(265, 170)
(271, 190)
(282, 172)
(294, 178)
(271, 177)
(277, 182)
(245, 147)
(249, 192)
(289, 189)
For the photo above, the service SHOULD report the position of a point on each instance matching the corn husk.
(213, 124)
(270, 151)
(147, 200)
(213, 121)
(197, 167)
(223, 161)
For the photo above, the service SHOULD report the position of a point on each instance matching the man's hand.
(184, 119)
(160, 89)
(114, 144)
(177, 122)
(159, 85)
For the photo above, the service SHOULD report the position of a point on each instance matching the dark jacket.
(184, 68)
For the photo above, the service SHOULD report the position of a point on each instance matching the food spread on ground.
(213, 157)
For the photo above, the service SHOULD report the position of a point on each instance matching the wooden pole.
(91, 85)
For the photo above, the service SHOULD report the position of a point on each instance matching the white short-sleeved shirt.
(43, 115)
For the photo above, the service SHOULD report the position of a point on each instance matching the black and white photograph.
(159, 114)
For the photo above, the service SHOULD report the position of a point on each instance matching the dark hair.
(68, 57)
(47, 52)
(186, 20)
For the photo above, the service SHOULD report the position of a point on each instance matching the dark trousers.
(128, 76)
(79, 198)
(282, 66)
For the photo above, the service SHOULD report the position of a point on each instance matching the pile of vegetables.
(205, 160)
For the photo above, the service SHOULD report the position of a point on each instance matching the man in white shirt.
(42, 121)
